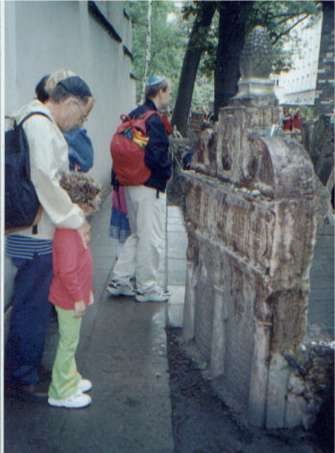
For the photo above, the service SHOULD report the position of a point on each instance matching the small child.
(70, 293)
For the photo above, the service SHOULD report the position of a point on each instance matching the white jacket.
(48, 153)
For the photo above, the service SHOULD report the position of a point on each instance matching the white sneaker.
(117, 289)
(84, 386)
(76, 401)
(153, 296)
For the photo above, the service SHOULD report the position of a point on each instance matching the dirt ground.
(203, 424)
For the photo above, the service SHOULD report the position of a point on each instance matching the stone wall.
(250, 215)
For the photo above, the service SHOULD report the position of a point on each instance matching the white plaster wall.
(298, 85)
(41, 37)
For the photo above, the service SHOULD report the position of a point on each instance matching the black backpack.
(21, 201)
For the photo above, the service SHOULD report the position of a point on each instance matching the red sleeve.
(167, 125)
(66, 247)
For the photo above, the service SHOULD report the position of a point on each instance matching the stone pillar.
(250, 217)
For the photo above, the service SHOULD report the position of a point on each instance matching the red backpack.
(128, 149)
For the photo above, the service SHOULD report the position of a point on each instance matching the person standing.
(69, 104)
(146, 203)
(70, 292)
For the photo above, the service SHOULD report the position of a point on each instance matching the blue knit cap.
(154, 80)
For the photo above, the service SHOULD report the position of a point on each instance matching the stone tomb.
(250, 218)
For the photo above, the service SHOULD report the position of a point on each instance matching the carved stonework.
(256, 56)
(250, 215)
(256, 66)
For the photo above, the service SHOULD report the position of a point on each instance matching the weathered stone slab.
(276, 394)
(250, 215)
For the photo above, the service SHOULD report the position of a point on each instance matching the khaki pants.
(141, 254)
(65, 377)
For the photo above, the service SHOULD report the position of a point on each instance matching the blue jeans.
(29, 319)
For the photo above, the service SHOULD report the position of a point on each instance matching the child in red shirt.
(71, 292)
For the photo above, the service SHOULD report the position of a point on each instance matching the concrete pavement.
(123, 352)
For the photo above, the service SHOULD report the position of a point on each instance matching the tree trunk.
(147, 46)
(191, 61)
(232, 29)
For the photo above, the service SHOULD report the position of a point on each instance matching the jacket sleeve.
(45, 148)
(65, 250)
(157, 150)
(80, 149)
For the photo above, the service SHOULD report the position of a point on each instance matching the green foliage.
(203, 93)
(278, 16)
(168, 40)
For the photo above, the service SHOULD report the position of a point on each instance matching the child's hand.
(79, 309)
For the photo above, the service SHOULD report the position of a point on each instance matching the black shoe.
(28, 391)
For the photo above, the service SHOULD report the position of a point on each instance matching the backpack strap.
(148, 114)
(32, 114)
(39, 213)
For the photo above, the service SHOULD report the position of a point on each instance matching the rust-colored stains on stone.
(294, 235)
(226, 160)
(236, 290)
(261, 163)
(201, 150)
(193, 249)
(288, 319)
(204, 159)
(262, 310)
(251, 222)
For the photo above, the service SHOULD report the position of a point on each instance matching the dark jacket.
(157, 150)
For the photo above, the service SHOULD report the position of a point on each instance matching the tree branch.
(289, 29)
(287, 15)
(291, 17)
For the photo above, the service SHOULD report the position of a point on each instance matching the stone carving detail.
(256, 66)
(251, 223)
(256, 56)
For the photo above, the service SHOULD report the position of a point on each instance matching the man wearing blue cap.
(70, 102)
(141, 253)
(80, 145)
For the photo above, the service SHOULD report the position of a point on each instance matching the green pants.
(65, 377)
